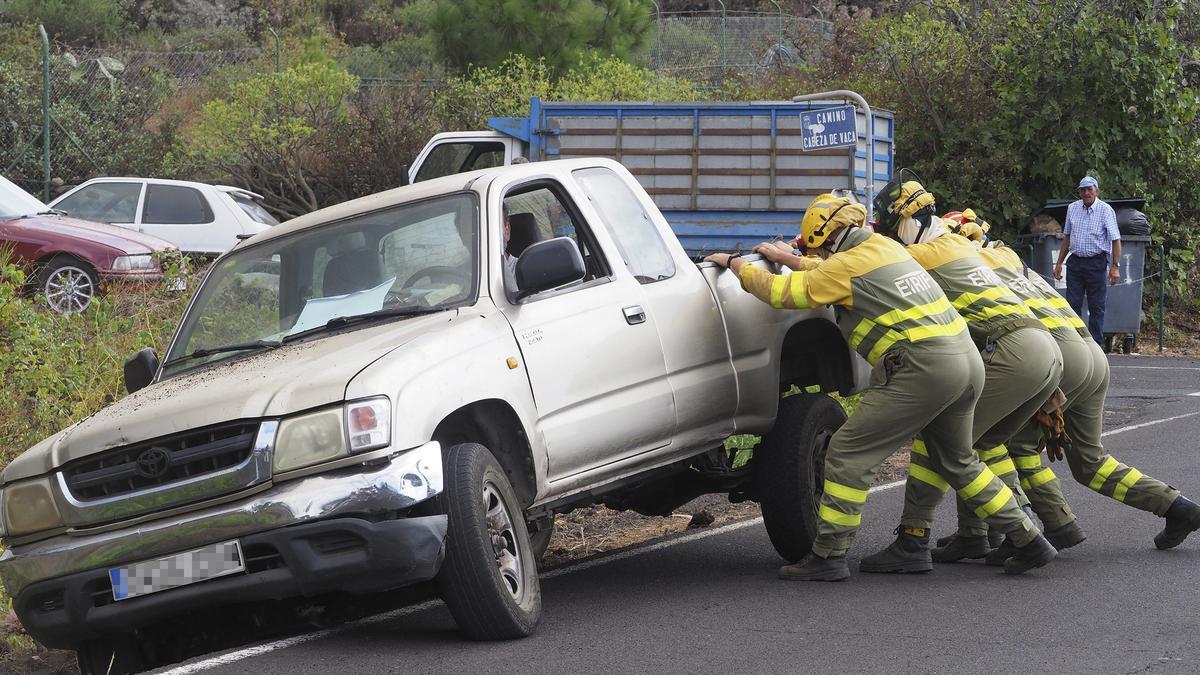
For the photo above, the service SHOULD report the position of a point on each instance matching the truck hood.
(282, 381)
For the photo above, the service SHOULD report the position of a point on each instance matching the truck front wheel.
(489, 579)
(789, 470)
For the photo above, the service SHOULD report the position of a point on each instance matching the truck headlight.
(29, 507)
(309, 439)
(134, 263)
(327, 434)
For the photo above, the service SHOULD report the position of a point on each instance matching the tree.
(560, 32)
(270, 132)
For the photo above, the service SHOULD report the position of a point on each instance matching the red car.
(73, 259)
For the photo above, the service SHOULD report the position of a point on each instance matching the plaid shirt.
(1092, 230)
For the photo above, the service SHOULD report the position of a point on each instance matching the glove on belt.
(1054, 434)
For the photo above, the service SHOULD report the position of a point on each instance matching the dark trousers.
(1089, 276)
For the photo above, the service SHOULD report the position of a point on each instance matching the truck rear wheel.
(489, 579)
(789, 470)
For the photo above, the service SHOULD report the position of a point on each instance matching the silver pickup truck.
(407, 387)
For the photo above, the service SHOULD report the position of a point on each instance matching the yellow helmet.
(825, 215)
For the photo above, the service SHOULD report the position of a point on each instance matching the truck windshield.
(402, 261)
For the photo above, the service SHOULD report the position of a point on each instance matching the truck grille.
(160, 461)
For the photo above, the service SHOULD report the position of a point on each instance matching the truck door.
(690, 326)
(591, 351)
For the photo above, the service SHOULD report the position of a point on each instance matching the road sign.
(828, 128)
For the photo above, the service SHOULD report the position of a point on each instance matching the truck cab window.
(636, 236)
(451, 158)
(537, 213)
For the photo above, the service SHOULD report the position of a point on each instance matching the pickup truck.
(726, 176)
(365, 398)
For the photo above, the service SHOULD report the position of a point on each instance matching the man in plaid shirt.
(1090, 234)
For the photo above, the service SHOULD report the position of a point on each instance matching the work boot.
(1034, 554)
(1066, 536)
(961, 547)
(813, 567)
(1183, 518)
(1001, 553)
(908, 553)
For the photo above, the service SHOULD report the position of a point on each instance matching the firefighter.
(926, 376)
(1085, 383)
(1022, 370)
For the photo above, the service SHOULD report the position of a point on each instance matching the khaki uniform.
(1085, 382)
(927, 377)
(1022, 368)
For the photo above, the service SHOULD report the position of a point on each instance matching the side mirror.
(548, 264)
(404, 176)
(140, 369)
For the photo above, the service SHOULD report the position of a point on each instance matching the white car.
(197, 217)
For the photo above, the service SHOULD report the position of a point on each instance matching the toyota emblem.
(153, 463)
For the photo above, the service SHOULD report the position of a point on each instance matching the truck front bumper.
(335, 531)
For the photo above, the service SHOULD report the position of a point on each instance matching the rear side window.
(104, 202)
(255, 210)
(451, 158)
(175, 205)
(635, 234)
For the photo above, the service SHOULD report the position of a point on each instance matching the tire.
(68, 283)
(1129, 344)
(789, 470)
(488, 598)
(110, 656)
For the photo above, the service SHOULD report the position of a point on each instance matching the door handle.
(634, 315)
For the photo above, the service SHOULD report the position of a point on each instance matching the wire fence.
(705, 47)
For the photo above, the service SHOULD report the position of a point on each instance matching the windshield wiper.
(237, 347)
(47, 212)
(343, 321)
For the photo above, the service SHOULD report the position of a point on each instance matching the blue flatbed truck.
(725, 175)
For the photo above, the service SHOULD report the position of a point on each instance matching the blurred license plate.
(181, 569)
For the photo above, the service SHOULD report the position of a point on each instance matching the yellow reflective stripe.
(1028, 461)
(1031, 303)
(1001, 468)
(778, 284)
(976, 486)
(1038, 479)
(1102, 475)
(1060, 303)
(797, 286)
(1126, 483)
(995, 311)
(995, 503)
(845, 492)
(998, 451)
(860, 332)
(936, 330)
(928, 477)
(838, 518)
(919, 447)
(895, 316)
(890, 338)
(969, 298)
(1061, 322)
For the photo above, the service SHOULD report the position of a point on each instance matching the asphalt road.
(711, 602)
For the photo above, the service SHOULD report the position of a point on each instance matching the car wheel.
(789, 470)
(489, 579)
(68, 283)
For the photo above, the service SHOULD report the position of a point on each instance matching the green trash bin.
(1123, 306)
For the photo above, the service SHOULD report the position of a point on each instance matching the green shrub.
(70, 21)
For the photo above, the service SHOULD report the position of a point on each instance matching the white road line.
(259, 650)
(1156, 367)
(1151, 423)
(1194, 393)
